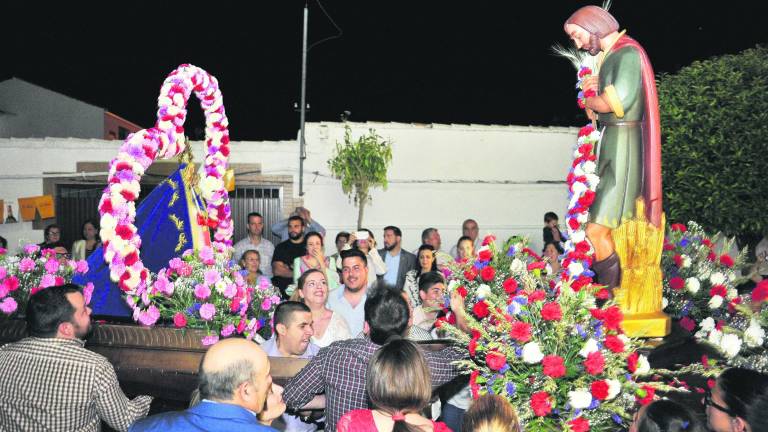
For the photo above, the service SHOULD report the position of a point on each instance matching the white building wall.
(32, 111)
(505, 177)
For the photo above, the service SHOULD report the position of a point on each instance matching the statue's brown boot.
(608, 272)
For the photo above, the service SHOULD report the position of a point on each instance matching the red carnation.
(473, 384)
(179, 320)
(688, 324)
(645, 395)
(488, 273)
(536, 265)
(603, 294)
(541, 404)
(599, 389)
(678, 227)
(484, 255)
(472, 347)
(537, 295)
(573, 223)
(708, 243)
(597, 313)
(586, 130)
(106, 206)
(58, 280)
(579, 424)
(612, 318)
(495, 360)
(510, 286)
(582, 73)
(587, 199)
(131, 258)
(11, 283)
(614, 343)
(678, 259)
(676, 283)
(720, 290)
(470, 274)
(726, 260)
(462, 291)
(595, 363)
(521, 331)
(553, 366)
(489, 239)
(632, 362)
(711, 256)
(551, 312)
(760, 293)
(668, 247)
(124, 232)
(480, 309)
(580, 283)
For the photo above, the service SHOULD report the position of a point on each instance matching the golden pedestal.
(639, 245)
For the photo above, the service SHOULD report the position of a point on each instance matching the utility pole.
(303, 107)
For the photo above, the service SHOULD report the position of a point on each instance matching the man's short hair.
(48, 308)
(252, 214)
(284, 313)
(550, 216)
(350, 253)
(296, 218)
(340, 235)
(221, 384)
(427, 280)
(426, 233)
(394, 229)
(386, 313)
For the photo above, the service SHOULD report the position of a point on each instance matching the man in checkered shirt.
(339, 369)
(49, 381)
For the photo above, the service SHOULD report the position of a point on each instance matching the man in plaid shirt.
(339, 369)
(49, 381)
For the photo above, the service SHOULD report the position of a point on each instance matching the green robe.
(620, 151)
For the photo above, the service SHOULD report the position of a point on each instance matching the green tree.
(714, 125)
(361, 164)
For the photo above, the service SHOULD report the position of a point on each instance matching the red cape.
(652, 192)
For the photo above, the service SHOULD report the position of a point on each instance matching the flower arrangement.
(561, 360)
(31, 271)
(699, 283)
(205, 290)
(119, 235)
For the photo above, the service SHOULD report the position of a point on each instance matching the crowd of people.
(356, 316)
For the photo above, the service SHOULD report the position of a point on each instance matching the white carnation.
(589, 167)
(517, 266)
(732, 293)
(715, 302)
(580, 399)
(589, 347)
(686, 261)
(692, 284)
(453, 284)
(731, 276)
(575, 268)
(707, 324)
(643, 367)
(715, 336)
(717, 278)
(730, 344)
(582, 217)
(532, 353)
(614, 388)
(593, 180)
(704, 273)
(578, 237)
(664, 302)
(578, 188)
(483, 291)
(754, 336)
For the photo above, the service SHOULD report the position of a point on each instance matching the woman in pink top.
(399, 387)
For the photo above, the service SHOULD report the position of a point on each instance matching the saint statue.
(625, 104)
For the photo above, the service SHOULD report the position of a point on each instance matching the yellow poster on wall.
(41, 204)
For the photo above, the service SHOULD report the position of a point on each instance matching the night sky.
(416, 61)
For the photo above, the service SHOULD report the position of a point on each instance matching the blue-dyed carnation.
(511, 389)
(521, 300)
(513, 308)
(617, 418)
(588, 273)
(684, 242)
(511, 251)
(490, 389)
(481, 264)
(519, 351)
(504, 368)
(595, 403)
(581, 331)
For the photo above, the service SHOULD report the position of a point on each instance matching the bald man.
(236, 393)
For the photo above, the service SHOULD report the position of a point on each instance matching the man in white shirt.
(431, 237)
(349, 301)
(255, 241)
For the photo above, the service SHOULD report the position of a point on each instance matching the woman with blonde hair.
(491, 413)
(399, 386)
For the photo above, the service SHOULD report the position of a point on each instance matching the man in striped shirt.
(49, 381)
